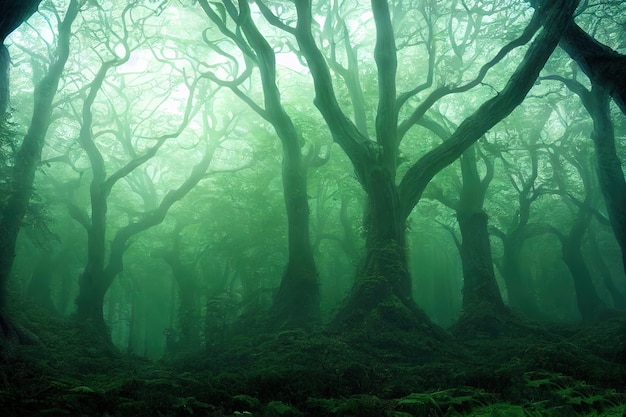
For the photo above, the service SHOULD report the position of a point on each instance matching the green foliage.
(280, 409)
(440, 403)
(362, 406)
(294, 373)
(246, 403)
(553, 390)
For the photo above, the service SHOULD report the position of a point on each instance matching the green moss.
(380, 371)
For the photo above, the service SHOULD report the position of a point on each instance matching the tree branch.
(492, 111)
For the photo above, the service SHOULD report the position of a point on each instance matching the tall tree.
(481, 294)
(133, 127)
(587, 299)
(297, 302)
(608, 163)
(29, 155)
(385, 279)
(526, 183)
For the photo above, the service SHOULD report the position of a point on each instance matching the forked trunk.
(381, 295)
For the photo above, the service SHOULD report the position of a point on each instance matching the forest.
(312, 208)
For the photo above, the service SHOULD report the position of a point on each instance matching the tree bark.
(479, 281)
(480, 288)
(381, 295)
(481, 295)
(385, 271)
(297, 301)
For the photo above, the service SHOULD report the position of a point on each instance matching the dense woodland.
(312, 208)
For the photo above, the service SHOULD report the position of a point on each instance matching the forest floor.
(539, 370)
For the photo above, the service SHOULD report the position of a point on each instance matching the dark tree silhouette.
(589, 303)
(29, 155)
(608, 163)
(297, 302)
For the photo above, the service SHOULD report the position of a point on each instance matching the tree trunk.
(479, 280)
(297, 302)
(188, 312)
(618, 298)
(90, 300)
(93, 283)
(480, 289)
(589, 304)
(385, 275)
(132, 323)
(5, 63)
(40, 281)
(98, 277)
(519, 288)
(381, 296)
(609, 166)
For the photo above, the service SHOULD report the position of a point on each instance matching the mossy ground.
(538, 370)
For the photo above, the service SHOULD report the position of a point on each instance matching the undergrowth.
(554, 371)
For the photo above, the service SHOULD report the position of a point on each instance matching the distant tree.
(589, 303)
(528, 187)
(189, 312)
(109, 106)
(608, 164)
(297, 302)
(602, 267)
(40, 281)
(481, 294)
